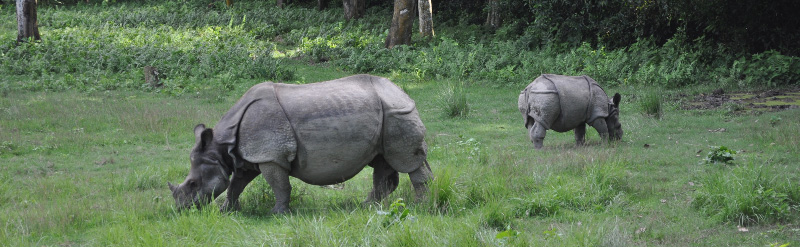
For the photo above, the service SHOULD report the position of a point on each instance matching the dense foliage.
(195, 44)
(745, 26)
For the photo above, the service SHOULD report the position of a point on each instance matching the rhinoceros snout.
(184, 197)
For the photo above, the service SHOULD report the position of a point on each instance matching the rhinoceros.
(321, 133)
(563, 103)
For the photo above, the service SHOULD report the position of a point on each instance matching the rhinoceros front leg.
(278, 179)
(240, 180)
(602, 129)
(384, 179)
(536, 134)
(419, 179)
(580, 134)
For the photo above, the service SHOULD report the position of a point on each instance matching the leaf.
(506, 234)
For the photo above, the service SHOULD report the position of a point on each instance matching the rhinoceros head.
(207, 177)
(612, 121)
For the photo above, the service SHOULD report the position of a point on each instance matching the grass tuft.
(453, 100)
(651, 104)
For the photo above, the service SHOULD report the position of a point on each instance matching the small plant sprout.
(397, 213)
(719, 154)
(774, 120)
(507, 234)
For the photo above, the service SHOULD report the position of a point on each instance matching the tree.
(493, 17)
(354, 9)
(402, 20)
(425, 18)
(27, 24)
(322, 4)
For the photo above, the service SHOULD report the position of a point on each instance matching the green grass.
(91, 169)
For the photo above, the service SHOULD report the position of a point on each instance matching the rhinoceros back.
(337, 125)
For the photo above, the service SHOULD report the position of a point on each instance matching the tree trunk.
(425, 18)
(354, 9)
(493, 17)
(27, 24)
(281, 3)
(402, 20)
(322, 4)
(151, 77)
(229, 2)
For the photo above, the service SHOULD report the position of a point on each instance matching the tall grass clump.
(453, 100)
(747, 195)
(651, 104)
(443, 192)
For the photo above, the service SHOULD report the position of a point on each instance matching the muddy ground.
(772, 100)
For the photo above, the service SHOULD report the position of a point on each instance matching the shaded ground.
(772, 100)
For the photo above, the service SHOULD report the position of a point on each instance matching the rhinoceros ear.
(199, 129)
(616, 99)
(203, 136)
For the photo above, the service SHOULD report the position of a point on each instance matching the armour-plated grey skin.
(563, 103)
(321, 133)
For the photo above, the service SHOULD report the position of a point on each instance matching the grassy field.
(86, 150)
(92, 168)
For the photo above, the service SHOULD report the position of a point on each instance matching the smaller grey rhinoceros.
(321, 133)
(563, 103)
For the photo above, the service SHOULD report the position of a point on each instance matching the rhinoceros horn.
(171, 187)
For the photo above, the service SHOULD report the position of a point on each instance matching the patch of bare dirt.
(771, 100)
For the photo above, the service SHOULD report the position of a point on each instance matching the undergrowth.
(199, 46)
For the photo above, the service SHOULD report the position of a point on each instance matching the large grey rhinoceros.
(563, 103)
(321, 133)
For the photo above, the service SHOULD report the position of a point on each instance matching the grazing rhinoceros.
(321, 133)
(563, 103)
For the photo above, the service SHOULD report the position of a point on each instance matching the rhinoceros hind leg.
(580, 134)
(384, 179)
(278, 179)
(537, 133)
(419, 179)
